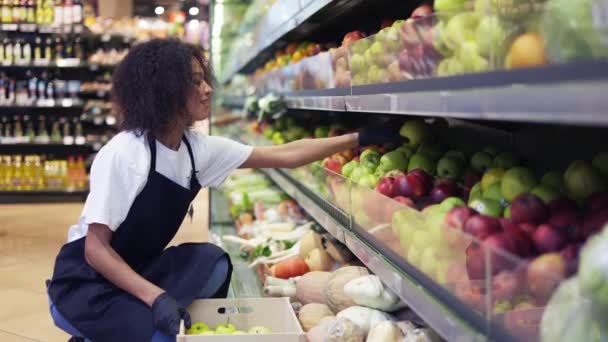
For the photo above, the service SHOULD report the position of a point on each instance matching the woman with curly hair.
(113, 279)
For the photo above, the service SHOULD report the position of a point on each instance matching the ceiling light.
(193, 11)
(159, 10)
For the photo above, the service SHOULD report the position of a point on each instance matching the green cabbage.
(568, 316)
(593, 272)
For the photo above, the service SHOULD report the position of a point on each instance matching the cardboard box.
(273, 313)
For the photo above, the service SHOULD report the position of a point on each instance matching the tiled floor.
(30, 237)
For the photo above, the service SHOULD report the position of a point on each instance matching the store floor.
(30, 237)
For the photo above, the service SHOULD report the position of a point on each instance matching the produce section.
(480, 221)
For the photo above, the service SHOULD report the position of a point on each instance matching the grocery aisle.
(30, 237)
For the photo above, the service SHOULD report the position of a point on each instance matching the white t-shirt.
(120, 172)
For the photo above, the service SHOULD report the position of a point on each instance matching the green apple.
(506, 160)
(408, 151)
(439, 40)
(376, 74)
(517, 180)
(545, 192)
(484, 7)
(507, 213)
(475, 192)
(428, 261)
(489, 36)
(259, 330)
(362, 219)
(357, 173)
(446, 8)
(553, 179)
(197, 328)
(491, 150)
(421, 161)
(451, 203)
(225, 328)
(461, 28)
(490, 177)
(357, 64)
(359, 79)
(481, 161)
(433, 150)
(414, 254)
(369, 181)
(210, 332)
(360, 46)
(582, 180)
(395, 160)
(486, 206)
(370, 159)
(449, 167)
(321, 132)
(416, 132)
(600, 162)
(494, 192)
(456, 154)
(349, 167)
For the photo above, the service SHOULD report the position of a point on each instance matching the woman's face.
(200, 103)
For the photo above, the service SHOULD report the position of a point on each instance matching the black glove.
(167, 315)
(387, 133)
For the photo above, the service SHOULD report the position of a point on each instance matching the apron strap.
(191, 156)
(152, 144)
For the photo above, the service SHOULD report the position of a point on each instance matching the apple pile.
(201, 328)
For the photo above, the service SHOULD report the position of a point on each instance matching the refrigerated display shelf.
(452, 319)
(29, 27)
(60, 65)
(557, 94)
(44, 196)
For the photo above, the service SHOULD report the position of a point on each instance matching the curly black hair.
(152, 84)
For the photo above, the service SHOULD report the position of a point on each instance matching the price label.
(599, 11)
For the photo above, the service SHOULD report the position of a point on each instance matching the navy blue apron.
(101, 311)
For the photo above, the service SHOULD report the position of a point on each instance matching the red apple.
(568, 222)
(334, 163)
(528, 208)
(352, 36)
(443, 191)
(571, 256)
(524, 246)
(545, 273)
(562, 203)
(402, 187)
(409, 35)
(471, 178)
(506, 285)
(475, 262)
(499, 247)
(386, 186)
(457, 217)
(405, 201)
(548, 239)
(422, 11)
(425, 180)
(597, 201)
(528, 228)
(481, 226)
(454, 223)
(594, 222)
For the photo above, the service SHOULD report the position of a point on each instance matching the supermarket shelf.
(550, 94)
(42, 196)
(452, 319)
(27, 27)
(60, 65)
(66, 103)
(59, 149)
